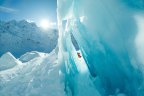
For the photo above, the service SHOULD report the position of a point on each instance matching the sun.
(44, 23)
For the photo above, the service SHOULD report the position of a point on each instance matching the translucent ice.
(109, 34)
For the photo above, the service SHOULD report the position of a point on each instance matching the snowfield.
(38, 76)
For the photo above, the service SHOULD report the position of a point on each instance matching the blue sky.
(32, 10)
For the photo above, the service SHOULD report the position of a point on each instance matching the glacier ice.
(8, 61)
(29, 56)
(37, 77)
(109, 35)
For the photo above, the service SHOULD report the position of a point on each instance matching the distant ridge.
(19, 37)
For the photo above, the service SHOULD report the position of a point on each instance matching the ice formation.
(109, 35)
(37, 77)
(100, 52)
(29, 56)
(7, 61)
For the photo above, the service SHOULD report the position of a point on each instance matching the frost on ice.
(109, 35)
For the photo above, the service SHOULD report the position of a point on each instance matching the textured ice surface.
(30, 56)
(37, 77)
(110, 35)
(7, 61)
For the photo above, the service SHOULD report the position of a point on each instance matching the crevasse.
(108, 34)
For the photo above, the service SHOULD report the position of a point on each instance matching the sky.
(30, 10)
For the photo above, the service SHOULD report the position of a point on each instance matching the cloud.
(7, 10)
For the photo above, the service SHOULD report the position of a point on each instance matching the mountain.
(19, 37)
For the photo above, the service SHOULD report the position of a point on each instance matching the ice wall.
(110, 35)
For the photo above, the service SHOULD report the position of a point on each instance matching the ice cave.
(110, 35)
(100, 52)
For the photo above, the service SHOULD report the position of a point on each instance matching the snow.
(37, 77)
(19, 37)
(30, 56)
(7, 61)
(108, 34)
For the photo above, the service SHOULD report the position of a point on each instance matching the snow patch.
(7, 61)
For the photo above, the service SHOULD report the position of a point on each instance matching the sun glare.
(44, 23)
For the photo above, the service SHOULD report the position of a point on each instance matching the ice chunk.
(7, 61)
(29, 56)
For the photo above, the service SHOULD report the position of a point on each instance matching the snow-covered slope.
(19, 37)
(29, 56)
(7, 61)
(37, 77)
